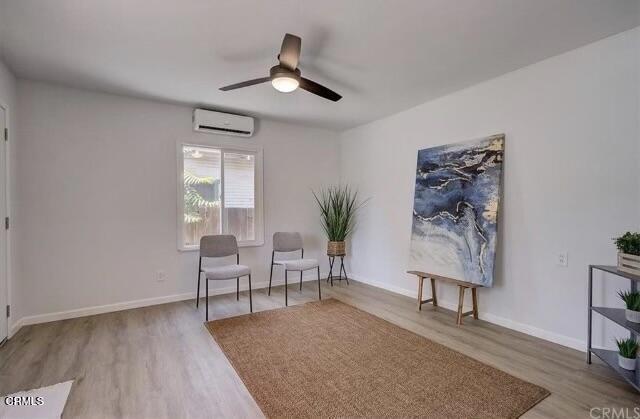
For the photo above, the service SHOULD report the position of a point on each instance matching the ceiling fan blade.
(245, 84)
(318, 89)
(290, 51)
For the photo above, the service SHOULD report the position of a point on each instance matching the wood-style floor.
(160, 362)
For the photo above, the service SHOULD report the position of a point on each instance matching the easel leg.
(460, 303)
(474, 295)
(433, 292)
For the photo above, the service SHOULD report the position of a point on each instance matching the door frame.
(6, 146)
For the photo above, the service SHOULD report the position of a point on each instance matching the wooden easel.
(462, 286)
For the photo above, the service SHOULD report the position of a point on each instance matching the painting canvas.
(455, 210)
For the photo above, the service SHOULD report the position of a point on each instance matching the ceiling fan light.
(285, 84)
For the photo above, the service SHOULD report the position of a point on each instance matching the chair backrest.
(287, 242)
(218, 246)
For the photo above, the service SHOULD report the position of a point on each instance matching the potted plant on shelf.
(627, 351)
(629, 252)
(338, 206)
(632, 301)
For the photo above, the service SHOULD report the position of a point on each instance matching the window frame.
(258, 187)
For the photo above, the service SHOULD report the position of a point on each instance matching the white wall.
(570, 181)
(96, 204)
(94, 190)
(8, 98)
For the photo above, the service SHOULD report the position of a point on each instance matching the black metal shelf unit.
(617, 316)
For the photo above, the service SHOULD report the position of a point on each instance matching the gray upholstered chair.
(291, 242)
(217, 247)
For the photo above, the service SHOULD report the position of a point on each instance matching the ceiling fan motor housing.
(279, 71)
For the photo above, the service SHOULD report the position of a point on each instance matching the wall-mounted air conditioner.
(222, 123)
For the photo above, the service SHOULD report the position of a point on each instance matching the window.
(220, 192)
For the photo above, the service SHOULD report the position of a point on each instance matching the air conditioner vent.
(222, 123)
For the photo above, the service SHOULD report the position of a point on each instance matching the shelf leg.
(634, 288)
(589, 311)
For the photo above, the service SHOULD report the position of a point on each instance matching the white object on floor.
(40, 403)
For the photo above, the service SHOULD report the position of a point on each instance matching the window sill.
(255, 243)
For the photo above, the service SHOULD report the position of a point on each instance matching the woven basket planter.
(336, 249)
(629, 263)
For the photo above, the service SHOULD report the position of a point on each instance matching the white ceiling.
(382, 56)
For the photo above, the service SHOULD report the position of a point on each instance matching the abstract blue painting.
(455, 209)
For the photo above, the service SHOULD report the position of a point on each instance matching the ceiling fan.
(285, 77)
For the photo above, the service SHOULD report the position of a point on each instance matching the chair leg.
(301, 281)
(206, 296)
(250, 299)
(199, 275)
(198, 293)
(460, 303)
(286, 296)
(238, 289)
(270, 277)
(319, 291)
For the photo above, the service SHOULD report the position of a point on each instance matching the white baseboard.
(14, 327)
(126, 305)
(491, 318)
(145, 302)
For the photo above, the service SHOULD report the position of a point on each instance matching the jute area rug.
(329, 359)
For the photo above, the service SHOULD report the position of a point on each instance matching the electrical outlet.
(161, 276)
(563, 259)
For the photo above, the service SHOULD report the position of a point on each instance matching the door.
(4, 296)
